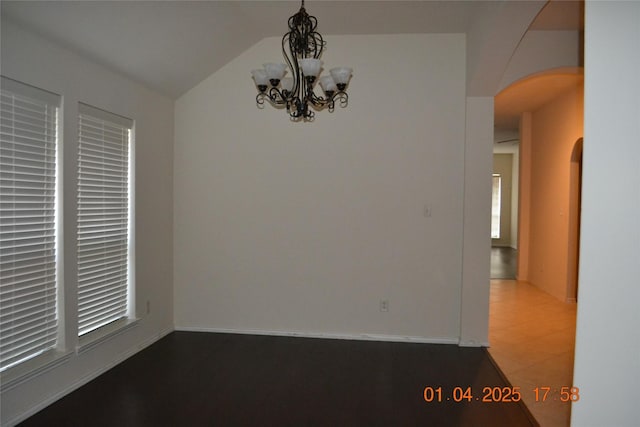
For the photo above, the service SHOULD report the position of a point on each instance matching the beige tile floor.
(531, 337)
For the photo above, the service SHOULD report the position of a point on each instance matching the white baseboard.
(360, 337)
(473, 343)
(85, 379)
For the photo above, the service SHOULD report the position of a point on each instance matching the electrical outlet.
(148, 306)
(384, 305)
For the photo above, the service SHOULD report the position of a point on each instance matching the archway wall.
(554, 129)
(540, 51)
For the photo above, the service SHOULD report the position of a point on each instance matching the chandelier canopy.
(302, 47)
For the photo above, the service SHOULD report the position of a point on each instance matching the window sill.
(31, 368)
(104, 333)
(51, 359)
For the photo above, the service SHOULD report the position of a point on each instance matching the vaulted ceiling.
(170, 46)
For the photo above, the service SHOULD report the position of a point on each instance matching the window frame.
(47, 359)
(496, 204)
(91, 338)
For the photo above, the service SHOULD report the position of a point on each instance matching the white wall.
(32, 60)
(304, 227)
(607, 366)
(555, 128)
(478, 160)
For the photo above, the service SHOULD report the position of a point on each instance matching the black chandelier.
(296, 93)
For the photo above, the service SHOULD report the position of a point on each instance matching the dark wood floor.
(503, 263)
(206, 379)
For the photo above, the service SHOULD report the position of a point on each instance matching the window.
(104, 215)
(495, 206)
(28, 222)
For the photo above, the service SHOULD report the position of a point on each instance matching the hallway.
(504, 261)
(532, 337)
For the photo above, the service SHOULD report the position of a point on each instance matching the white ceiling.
(170, 46)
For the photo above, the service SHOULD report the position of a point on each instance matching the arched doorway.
(548, 108)
(534, 317)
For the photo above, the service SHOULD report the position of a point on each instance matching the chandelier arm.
(316, 100)
(344, 99)
(321, 102)
(329, 102)
(276, 96)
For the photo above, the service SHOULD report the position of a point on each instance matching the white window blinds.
(28, 285)
(103, 217)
